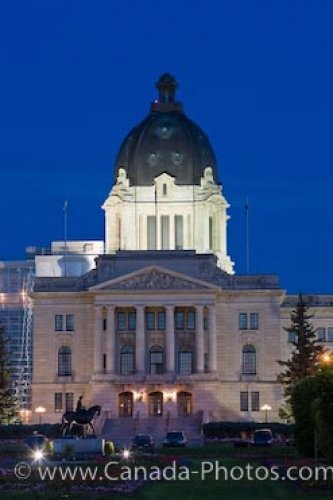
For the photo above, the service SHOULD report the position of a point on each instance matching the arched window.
(249, 360)
(156, 360)
(185, 361)
(125, 404)
(64, 361)
(126, 360)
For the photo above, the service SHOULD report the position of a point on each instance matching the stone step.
(121, 430)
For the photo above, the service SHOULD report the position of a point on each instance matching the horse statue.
(82, 417)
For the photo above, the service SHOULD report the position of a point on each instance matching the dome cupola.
(166, 141)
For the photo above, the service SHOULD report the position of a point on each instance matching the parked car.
(262, 437)
(175, 438)
(143, 442)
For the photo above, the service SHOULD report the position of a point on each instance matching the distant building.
(161, 332)
(16, 307)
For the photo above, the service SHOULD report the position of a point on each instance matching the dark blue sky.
(256, 76)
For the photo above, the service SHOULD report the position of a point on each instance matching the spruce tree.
(306, 356)
(8, 402)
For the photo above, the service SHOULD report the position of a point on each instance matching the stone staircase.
(121, 430)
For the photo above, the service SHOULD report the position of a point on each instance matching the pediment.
(154, 278)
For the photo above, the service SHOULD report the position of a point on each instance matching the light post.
(266, 408)
(40, 410)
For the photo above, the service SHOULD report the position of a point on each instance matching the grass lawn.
(237, 490)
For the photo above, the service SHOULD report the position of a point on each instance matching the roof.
(166, 141)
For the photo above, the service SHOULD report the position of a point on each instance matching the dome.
(166, 141)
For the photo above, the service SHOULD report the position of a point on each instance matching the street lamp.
(266, 408)
(40, 410)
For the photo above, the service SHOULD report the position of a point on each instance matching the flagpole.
(247, 247)
(65, 234)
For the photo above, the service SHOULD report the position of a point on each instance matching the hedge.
(21, 431)
(235, 429)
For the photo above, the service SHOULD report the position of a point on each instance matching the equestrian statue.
(81, 416)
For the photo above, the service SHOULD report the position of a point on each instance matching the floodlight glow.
(38, 455)
(126, 454)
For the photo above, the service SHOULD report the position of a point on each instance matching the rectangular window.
(132, 320)
(179, 320)
(151, 232)
(69, 322)
(69, 401)
(58, 402)
(58, 323)
(185, 362)
(330, 334)
(150, 321)
(105, 324)
(255, 401)
(190, 320)
(254, 321)
(165, 232)
(210, 228)
(321, 334)
(244, 401)
(242, 321)
(179, 245)
(161, 320)
(121, 321)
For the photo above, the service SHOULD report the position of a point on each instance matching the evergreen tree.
(8, 402)
(306, 356)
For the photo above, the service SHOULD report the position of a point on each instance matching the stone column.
(140, 340)
(199, 339)
(170, 339)
(98, 341)
(111, 340)
(212, 355)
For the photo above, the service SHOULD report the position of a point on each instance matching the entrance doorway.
(155, 404)
(184, 403)
(125, 404)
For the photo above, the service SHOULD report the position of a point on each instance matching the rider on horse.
(79, 405)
